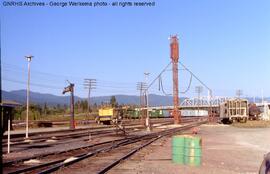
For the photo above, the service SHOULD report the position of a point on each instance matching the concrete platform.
(225, 150)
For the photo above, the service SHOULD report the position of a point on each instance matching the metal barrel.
(178, 149)
(186, 150)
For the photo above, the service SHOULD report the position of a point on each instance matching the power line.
(161, 87)
(65, 76)
(158, 76)
(196, 77)
(33, 84)
(189, 85)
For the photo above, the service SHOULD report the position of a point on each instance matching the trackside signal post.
(174, 46)
(70, 89)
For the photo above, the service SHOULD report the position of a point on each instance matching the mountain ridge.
(53, 100)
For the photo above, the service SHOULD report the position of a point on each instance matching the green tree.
(113, 101)
(84, 105)
(45, 109)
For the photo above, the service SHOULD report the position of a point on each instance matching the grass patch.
(252, 124)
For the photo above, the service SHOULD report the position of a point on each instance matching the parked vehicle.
(108, 115)
(254, 112)
(234, 110)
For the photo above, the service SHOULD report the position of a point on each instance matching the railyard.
(72, 147)
(106, 92)
(106, 149)
(190, 134)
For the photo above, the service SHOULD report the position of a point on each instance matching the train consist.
(232, 110)
(108, 115)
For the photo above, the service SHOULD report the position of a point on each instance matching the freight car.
(234, 110)
(254, 112)
(108, 115)
(153, 113)
(159, 113)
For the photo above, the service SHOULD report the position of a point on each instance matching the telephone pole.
(198, 90)
(70, 88)
(89, 84)
(239, 92)
(29, 58)
(141, 86)
(147, 120)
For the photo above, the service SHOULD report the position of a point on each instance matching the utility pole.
(28, 58)
(89, 84)
(239, 92)
(147, 121)
(210, 111)
(174, 46)
(262, 96)
(198, 90)
(70, 88)
(141, 86)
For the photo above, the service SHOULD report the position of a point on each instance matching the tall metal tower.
(175, 57)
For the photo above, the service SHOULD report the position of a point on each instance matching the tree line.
(43, 111)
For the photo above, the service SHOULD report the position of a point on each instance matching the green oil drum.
(186, 150)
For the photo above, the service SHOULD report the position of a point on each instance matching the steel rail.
(113, 164)
(90, 154)
(40, 135)
(115, 143)
(114, 146)
(8, 163)
(110, 166)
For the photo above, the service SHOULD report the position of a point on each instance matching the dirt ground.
(225, 150)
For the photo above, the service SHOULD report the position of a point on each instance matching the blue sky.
(224, 42)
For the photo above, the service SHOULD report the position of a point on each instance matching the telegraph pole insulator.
(175, 57)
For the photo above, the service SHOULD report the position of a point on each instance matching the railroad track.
(39, 141)
(64, 141)
(37, 135)
(74, 134)
(52, 146)
(127, 146)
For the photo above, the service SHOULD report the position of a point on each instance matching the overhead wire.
(34, 84)
(189, 85)
(196, 77)
(158, 76)
(161, 87)
(53, 78)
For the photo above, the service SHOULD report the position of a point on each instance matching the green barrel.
(178, 149)
(186, 150)
(193, 151)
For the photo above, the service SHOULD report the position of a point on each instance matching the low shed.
(7, 113)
